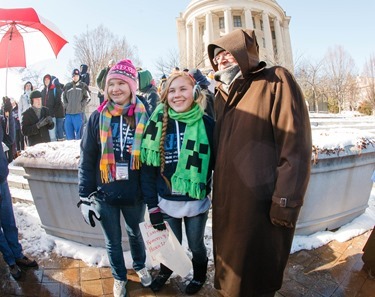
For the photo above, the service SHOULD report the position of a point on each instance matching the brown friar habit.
(263, 153)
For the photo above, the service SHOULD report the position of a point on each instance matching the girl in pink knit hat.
(109, 176)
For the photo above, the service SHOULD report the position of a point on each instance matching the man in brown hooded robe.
(263, 153)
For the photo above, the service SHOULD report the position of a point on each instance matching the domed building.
(206, 20)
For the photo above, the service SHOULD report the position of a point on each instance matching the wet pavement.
(335, 269)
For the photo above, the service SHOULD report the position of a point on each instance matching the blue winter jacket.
(122, 192)
(6, 138)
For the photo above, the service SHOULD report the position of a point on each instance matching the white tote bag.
(163, 247)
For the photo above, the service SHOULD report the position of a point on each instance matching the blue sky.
(151, 26)
(319, 25)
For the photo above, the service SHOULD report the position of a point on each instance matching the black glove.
(284, 216)
(157, 221)
(42, 122)
(88, 210)
(49, 120)
(7, 105)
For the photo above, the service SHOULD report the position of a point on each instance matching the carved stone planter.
(340, 185)
(52, 172)
(339, 188)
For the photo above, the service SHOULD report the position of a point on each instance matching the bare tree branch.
(96, 47)
(339, 68)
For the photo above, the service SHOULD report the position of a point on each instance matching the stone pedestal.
(338, 191)
(54, 188)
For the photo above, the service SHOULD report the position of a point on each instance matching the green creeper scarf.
(190, 176)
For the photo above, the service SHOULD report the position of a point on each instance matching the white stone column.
(195, 43)
(209, 28)
(279, 43)
(248, 19)
(189, 45)
(288, 46)
(228, 21)
(181, 29)
(209, 37)
(268, 36)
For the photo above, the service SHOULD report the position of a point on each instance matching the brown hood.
(242, 44)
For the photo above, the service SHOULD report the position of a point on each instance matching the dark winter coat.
(210, 99)
(151, 98)
(15, 115)
(30, 130)
(101, 78)
(147, 91)
(153, 184)
(85, 76)
(51, 98)
(59, 112)
(263, 150)
(6, 138)
(122, 192)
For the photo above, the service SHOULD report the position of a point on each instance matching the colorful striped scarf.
(107, 161)
(191, 172)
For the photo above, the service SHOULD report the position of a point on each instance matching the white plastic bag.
(5, 147)
(163, 247)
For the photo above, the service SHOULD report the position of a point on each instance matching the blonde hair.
(200, 100)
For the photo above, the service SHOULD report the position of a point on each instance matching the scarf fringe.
(150, 157)
(106, 173)
(193, 189)
(136, 162)
(107, 161)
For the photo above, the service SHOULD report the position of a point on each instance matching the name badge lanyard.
(178, 139)
(174, 192)
(123, 142)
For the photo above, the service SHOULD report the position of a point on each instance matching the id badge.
(122, 170)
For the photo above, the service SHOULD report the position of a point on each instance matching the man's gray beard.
(227, 76)
(37, 110)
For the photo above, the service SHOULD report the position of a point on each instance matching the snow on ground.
(37, 243)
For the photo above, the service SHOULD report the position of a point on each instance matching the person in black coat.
(59, 112)
(85, 76)
(203, 82)
(51, 98)
(10, 247)
(6, 113)
(36, 121)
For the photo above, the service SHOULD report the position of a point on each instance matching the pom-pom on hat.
(125, 71)
(75, 72)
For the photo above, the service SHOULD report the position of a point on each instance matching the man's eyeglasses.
(220, 56)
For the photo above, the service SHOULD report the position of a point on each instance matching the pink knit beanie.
(125, 71)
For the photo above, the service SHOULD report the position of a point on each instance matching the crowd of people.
(240, 131)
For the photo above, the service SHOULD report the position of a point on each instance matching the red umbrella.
(26, 37)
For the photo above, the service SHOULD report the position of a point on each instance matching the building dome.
(206, 20)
